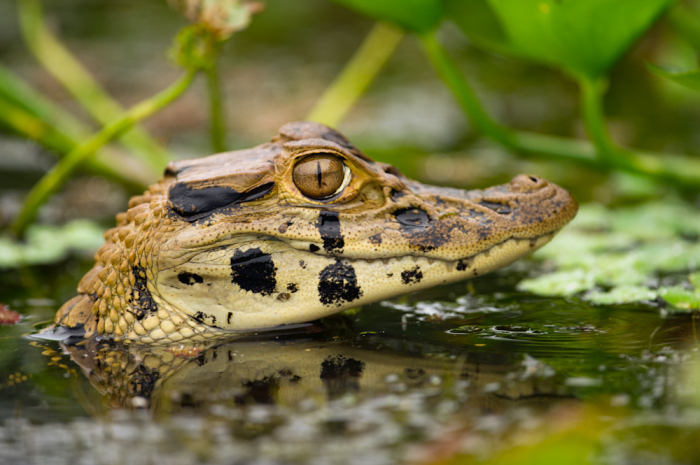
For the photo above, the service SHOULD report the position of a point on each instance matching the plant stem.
(357, 75)
(79, 82)
(671, 168)
(449, 73)
(26, 112)
(15, 91)
(593, 115)
(216, 110)
(20, 121)
(58, 175)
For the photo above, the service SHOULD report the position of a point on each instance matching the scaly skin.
(230, 242)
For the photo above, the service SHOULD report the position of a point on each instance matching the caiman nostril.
(526, 183)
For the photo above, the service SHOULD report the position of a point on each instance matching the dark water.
(403, 380)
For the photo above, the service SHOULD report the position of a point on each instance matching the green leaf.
(680, 297)
(585, 37)
(479, 22)
(690, 79)
(560, 283)
(411, 15)
(621, 295)
(50, 244)
(694, 279)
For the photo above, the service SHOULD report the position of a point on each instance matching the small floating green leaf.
(621, 295)
(680, 297)
(49, 244)
(620, 249)
(560, 283)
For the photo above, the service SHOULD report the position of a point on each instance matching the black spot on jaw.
(412, 276)
(145, 302)
(302, 264)
(189, 278)
(375, 240)
(463, 264)
(292, 287)
(412, 218)
(254, 271)
(328, 226)
(194, 204)
(313, 248)
(201, 317)
(338, 284)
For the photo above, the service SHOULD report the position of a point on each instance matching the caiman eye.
(320, 176)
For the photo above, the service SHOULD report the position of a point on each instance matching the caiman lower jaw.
(288, 286)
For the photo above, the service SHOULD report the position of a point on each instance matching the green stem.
(79, 82)
(16, 91)
(466, 97)
(58, 175)
(27, 113)
(357, 75)
(671, 168)
(593, 115)
(22, 122)
(216, 116)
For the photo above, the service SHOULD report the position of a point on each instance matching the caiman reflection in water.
(285, 370)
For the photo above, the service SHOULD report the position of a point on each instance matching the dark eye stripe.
(194, 204)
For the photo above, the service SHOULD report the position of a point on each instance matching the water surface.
(401, 380)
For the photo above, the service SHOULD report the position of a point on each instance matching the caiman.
(294, 230)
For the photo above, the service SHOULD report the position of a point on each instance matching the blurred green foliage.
(49, 244)
(689, 79)
(583, 39)
(411, 15)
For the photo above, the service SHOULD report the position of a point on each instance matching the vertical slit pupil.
(319, 175)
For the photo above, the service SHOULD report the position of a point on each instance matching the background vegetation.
(599, 96)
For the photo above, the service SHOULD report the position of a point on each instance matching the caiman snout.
(527, 183)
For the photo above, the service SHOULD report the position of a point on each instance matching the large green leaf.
(480, 23)
(411, 15)
(585, 37)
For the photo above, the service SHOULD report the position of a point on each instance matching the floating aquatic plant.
(616, 256)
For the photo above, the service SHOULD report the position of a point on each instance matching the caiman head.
(294, 230)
